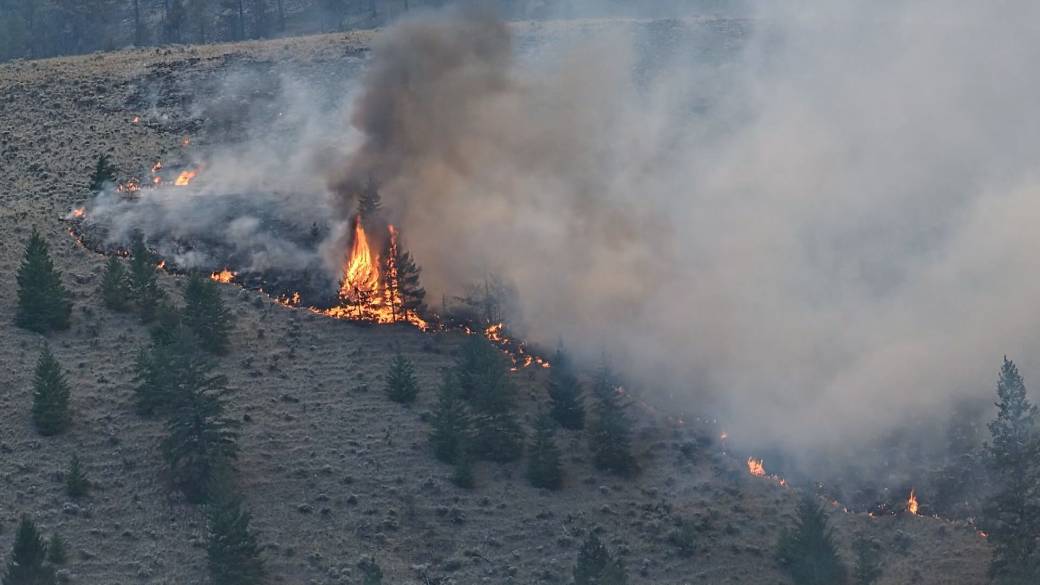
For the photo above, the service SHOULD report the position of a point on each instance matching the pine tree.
(43, 303)
(1013, 511)
(371, 573)
(104, 175)
(168, 323)
(57, 551)
(404, 292)
(451, 425)
(867, 569)
(50, 409)
(808, 552)
(27, 566)
(232, 550)
(171, 370)
(565, 392)
(144, 287)
(206, 315)
(610, 430)
(370, 204)
(543, 457)
(462, 475)
(595, 565)
(115, 285)
(401, 385)
(76, 483)
(199, 440)
(485, 383)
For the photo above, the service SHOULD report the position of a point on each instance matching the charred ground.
(331, 469)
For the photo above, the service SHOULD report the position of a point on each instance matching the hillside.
(331, 470)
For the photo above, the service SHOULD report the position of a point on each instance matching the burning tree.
(403, 291)
(43, 303)
(1013, 511)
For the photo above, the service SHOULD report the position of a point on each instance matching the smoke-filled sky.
(819, 222)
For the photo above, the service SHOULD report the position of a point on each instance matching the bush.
(596, 566)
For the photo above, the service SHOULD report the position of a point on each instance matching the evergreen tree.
(104, 175)
(206, 315)
(403, 289)
(867, 569)
(484, 381)
(1013, 510)
(115, 285)
(371, 573)
(370, 204)
(451, 425)
(232, 550)
(171, 370)
(401, 385)
(462, 476)
(50, 409)
(57, 552)
(543, 457)
(144, 287)
(565, 392)
(610, 430)
(43, 303)
(808, 552)
(76, 483)
(27, 566)
(199, 440)
(168, 324)
(595, 565)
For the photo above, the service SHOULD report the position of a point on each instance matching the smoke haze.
(818, 222)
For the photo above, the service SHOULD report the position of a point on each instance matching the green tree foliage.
(1012, 516)
(867, 569)
(199, 440)
(206, 315)
(462, 475)
(144, 286)
(403, 289)
(370, 204)
(115, 285)
(371, 573)
(401, 385)
(543, 457)
(27, 566)
(610, 431)
(57, 551)
(232, 550)
(565, 392)
(43, 303)
(104, 175)
(483, 376)
(451, 421)
(171, 370)
(596, 566)
(169, 322)
(50, 408)
(76, 483)
(808, 552)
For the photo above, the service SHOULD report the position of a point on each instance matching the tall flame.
(185, 178)
(755, 467)
(911, 503)
(361, 274)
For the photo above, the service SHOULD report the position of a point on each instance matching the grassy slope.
(331, 470)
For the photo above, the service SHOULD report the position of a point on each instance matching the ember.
(223, 276)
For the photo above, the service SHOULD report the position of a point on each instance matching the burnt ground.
(331, 469)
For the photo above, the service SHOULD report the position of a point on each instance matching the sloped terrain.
(331, 469)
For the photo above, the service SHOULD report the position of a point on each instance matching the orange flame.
(911, 503)
(136, 120)
(185, 178)
(361, 275)
(79, 212)
(755, 467)
(223, 276)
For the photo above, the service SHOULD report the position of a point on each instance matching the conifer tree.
(808, 552)
(565, 392)
(371, 573)
(543, 457)
(867, 569)
(50, 409)
(27, 566)
(76, 483)
(115, 285)
(104, 174)
(144, 286)
(596, 566)
(370, 204)
(451, 425)
(403, 289)
(57, 551)
(1013, 511)
(401, 385)
(232, 550)
(199, 440)
(610, 430)
(484, 381)
(168, 323)
(462, 476)
(171, 370)
(43, 303)
(206, 315)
